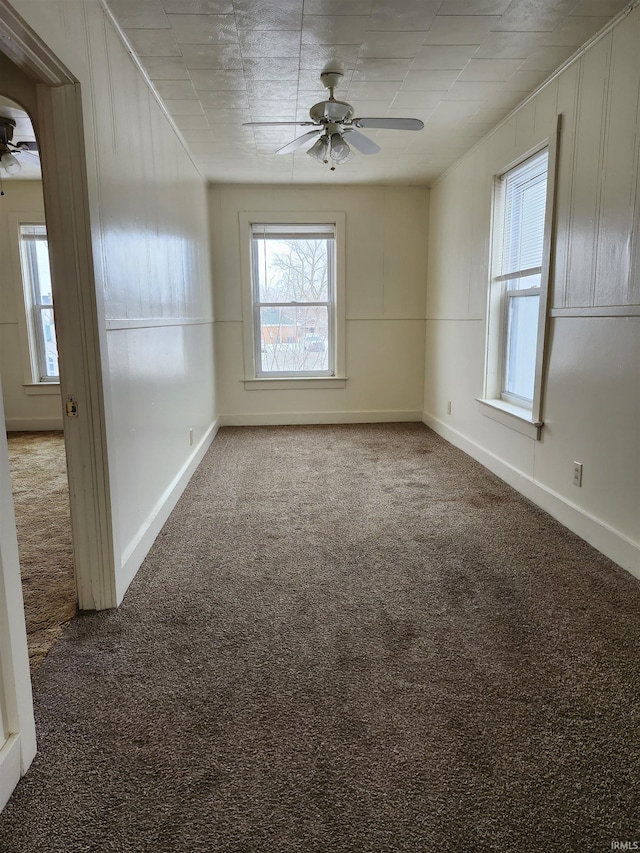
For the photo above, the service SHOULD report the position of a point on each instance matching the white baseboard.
(33, 424)
(604, 538)
(139, 548)
(295, 418)
(9, 768)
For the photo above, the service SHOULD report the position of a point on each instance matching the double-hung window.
(522, 231)
(524, 193)
(38, 296)
(293, 271)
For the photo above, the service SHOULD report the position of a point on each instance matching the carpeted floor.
(41, 496)
(346, 638)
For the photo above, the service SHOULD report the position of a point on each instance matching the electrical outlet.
(577, 473)
(191, 437)
(449, 407)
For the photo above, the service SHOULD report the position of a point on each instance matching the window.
(293, 293)
(293, 303)
(36, 276)
(522, 230)
(524, 191)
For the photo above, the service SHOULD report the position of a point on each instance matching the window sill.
(511, 416)
(295, 383)
(38, 388)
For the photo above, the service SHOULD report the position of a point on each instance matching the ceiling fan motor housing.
(7, 126)
(337, 111)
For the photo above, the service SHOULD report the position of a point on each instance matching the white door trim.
(57, 117)
(54, 104)
(82, 351)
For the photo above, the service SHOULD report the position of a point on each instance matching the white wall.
(22, 410)
(591, 403)
(386, 256)
(152, 270)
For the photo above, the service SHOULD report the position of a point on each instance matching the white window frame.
(495, 403)
(29, 333)
(336, 375)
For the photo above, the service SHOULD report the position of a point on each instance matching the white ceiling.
(459, 65)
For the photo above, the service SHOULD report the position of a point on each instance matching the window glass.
(39, 300)
(293, 282)
(521, 347)
(524, 194)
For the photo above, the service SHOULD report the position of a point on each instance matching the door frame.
(52, 97)
(56, 112)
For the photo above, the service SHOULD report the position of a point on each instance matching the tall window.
(521, 227)
(521, 262)
(293, 280)
(36, 274)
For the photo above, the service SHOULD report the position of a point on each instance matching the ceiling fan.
(333, 120)
(8, 148)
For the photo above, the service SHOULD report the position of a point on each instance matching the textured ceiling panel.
(458, 65)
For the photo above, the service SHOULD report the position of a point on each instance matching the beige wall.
(152, 271)
(22, 410)
(386, 256)
(592, 388)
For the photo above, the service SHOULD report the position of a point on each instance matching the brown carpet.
(41, 497)
(346, 638)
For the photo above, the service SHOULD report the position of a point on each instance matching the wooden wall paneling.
(567, 104)
(587, 174)
(619, 169)
(633, 284)
(481, 204)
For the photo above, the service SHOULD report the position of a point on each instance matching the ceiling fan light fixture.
(340, 150)
(320, 150)
(9, 163)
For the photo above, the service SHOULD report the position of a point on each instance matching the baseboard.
(33, 424)
(9, 768)
(295, 418)
(601, 536)
(139, 548)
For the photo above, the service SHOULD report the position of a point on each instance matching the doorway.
(29, 366)
(34, 78)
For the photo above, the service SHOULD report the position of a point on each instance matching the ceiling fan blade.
(274, 123)
(390, 123)
(300, 142)
(362, 142)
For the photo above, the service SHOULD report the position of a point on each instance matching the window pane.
(522, 332)
(38, 292)
(524, 282)
(51, 370)
(525, 203)
(294, 339)
(295, 270)
(42, 273)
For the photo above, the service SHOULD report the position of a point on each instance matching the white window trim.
(32, 384)
(523, 419)
(251, 381)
